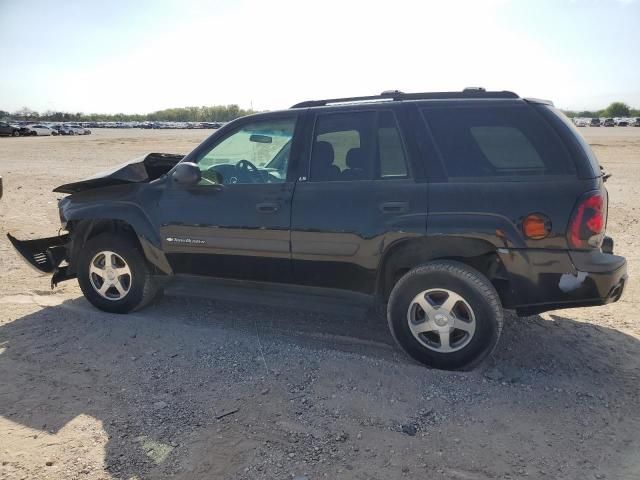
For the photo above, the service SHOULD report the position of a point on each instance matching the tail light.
(588, 221)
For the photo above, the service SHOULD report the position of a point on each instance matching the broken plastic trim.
(43, 254)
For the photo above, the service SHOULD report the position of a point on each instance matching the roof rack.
(396, 95)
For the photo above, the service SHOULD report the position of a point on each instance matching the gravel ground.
(192, 388)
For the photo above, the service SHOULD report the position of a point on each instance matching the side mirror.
(186, 173)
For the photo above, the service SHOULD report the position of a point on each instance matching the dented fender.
(125, 211)
(140, 170)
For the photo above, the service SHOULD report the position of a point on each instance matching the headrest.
(355, 159)
(322, 154)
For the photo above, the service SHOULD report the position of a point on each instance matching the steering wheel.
(248, 170)
(212, 175)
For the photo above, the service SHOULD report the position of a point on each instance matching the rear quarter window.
(503, 142)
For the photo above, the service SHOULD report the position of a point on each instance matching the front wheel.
(445, 315)
(16, 133)
(113, 274)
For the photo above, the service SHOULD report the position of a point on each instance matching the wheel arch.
(86, 223)
(405, 255)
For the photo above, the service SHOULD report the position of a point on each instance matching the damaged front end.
(140, 170)
(46, 255)
(54, 255)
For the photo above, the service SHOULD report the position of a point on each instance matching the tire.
(474, 323)
(142, 288)
(16, 133)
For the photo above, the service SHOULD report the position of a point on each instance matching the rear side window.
(353, 146)
(392, 159)
(497, 141)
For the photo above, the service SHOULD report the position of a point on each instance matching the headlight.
(63, 220)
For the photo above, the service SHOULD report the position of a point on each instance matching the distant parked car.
(608, 122)
(580, 122)
(635, 122)
(79, 130)
(594, 122)
(622, 122)
(73, 129)
(66, 130)
(58, 128)
(40, 129)
(214, 125)
(10, 130)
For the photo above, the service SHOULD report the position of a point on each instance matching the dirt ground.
(309, 395)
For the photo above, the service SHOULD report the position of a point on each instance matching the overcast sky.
(140, 56)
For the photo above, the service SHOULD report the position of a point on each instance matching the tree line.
(225, 113)
(615, 109)
(215, 113)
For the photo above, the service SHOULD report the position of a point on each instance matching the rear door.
(356, 195)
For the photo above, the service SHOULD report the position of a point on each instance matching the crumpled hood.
(140, 170)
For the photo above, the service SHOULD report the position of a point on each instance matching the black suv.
(446, 207)
(8, 129)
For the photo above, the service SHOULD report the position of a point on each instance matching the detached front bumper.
(45, 255)
(543, 280)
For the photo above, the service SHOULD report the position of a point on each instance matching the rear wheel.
(113, 274)
(16, 133)
(445, 315)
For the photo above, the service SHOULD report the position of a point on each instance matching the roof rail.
(396, 95)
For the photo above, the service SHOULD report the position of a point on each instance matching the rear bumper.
(543, 280)
(45, 255)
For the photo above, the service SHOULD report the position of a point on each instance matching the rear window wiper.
(604, 174)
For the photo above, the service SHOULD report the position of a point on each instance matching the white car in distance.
(41, 130)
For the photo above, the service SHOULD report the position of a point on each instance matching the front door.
(235, 222)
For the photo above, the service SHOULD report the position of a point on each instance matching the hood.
(140, 170)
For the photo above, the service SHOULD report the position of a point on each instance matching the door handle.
(394, 207)
(267, 207)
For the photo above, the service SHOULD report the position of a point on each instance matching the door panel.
(340, 231)
(225, 233)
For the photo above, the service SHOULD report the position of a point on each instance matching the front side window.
(255, 153)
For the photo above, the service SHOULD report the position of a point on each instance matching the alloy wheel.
(441, 320)
(110, 276)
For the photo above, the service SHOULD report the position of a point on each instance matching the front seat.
(322, 167)
(356, 165)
